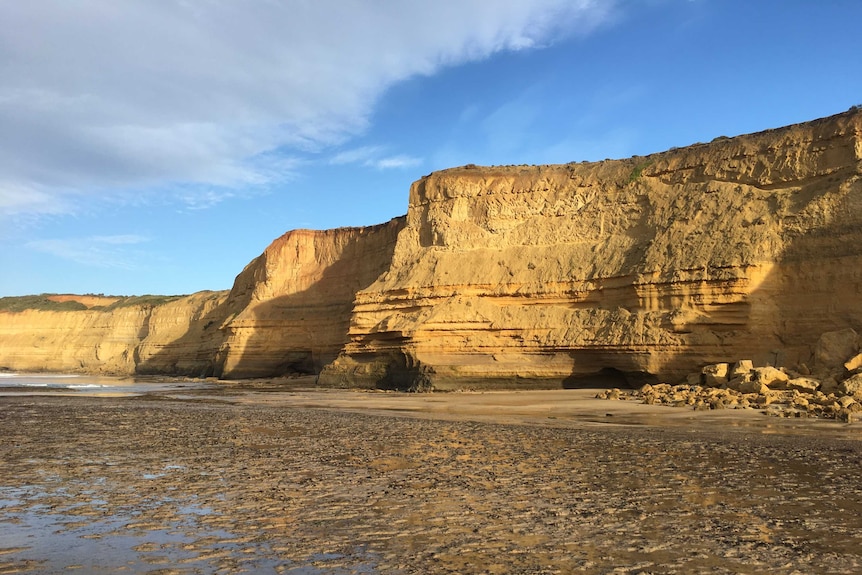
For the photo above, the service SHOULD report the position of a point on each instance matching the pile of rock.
(832, 390)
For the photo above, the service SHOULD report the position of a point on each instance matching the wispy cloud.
(93, 251)
(400, 161)
(100, 97)
(375, 157)
(361, 155)
(19, 198)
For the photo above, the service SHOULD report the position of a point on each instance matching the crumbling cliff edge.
(637, 269)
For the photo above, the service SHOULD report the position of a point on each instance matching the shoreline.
(714, 403)
(559, 408)
(381, 482)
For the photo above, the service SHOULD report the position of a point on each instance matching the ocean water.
(12, 383)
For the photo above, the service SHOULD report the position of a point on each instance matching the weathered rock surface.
(533, 276)
(745, 247)
(130, 335)
(288, 312)
(785, 391)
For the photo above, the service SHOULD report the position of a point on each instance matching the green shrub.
(141, 300)
(43, 303)
(637, 171)
(38, 302)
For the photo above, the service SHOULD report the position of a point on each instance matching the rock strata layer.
(833, 389)
(288, 313)
(128, 336)
(626, 270)
(657, 265)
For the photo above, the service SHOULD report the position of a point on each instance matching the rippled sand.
(345, 482)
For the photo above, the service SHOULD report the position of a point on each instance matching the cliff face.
(745, 247)
(118, 339)
(288, 312)
(514, 276)
(289, 309)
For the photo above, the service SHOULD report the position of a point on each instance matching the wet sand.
(262, 480)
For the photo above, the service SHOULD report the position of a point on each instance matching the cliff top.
(73, 302)
(836, 123)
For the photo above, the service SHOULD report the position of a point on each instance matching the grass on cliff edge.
(140, 300)
(637, 171)
(40, 302)
(44, 303)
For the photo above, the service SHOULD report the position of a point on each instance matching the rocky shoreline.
(833, 390)
(248, 483)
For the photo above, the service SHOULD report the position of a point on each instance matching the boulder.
(771, 376)
(742, 368)
(753, 386)
(854, 363)
(736, 382)
(845, 401)
(803, 384)
(846, 416)
(834, 347)
(799, 402)
(767, 397)
(822, 399)
(852, 386)
(716, 375)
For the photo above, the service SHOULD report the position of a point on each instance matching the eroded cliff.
(289, 309)
(746, 247)
(116, 336)
(287, 313)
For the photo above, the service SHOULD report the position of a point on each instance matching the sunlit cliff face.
(744, 248)
(656, 264)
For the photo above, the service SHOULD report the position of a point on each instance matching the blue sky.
(158, 147)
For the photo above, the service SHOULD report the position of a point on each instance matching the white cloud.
(104, 96)
(397, 162)
(93, 251)
(121, 239)
(18, 198)
(374, 157)
(357, 155)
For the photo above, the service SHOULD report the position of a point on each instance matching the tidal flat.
(346, 483)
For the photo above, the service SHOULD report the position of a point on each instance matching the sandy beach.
(260, 479)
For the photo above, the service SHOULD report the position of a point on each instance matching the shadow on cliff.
(813, 287)
(190, 355)
(293, 334)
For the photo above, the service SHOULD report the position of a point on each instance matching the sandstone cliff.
(289, 309)
(118, 338)
(745, 247)
(515, 276)
(288, 312)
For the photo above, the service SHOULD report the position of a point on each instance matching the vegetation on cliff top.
(142, 300)
(39, 302)
(45, 302)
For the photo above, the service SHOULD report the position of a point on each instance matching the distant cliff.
(110, 335)
(746, 247)
(288, 313)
